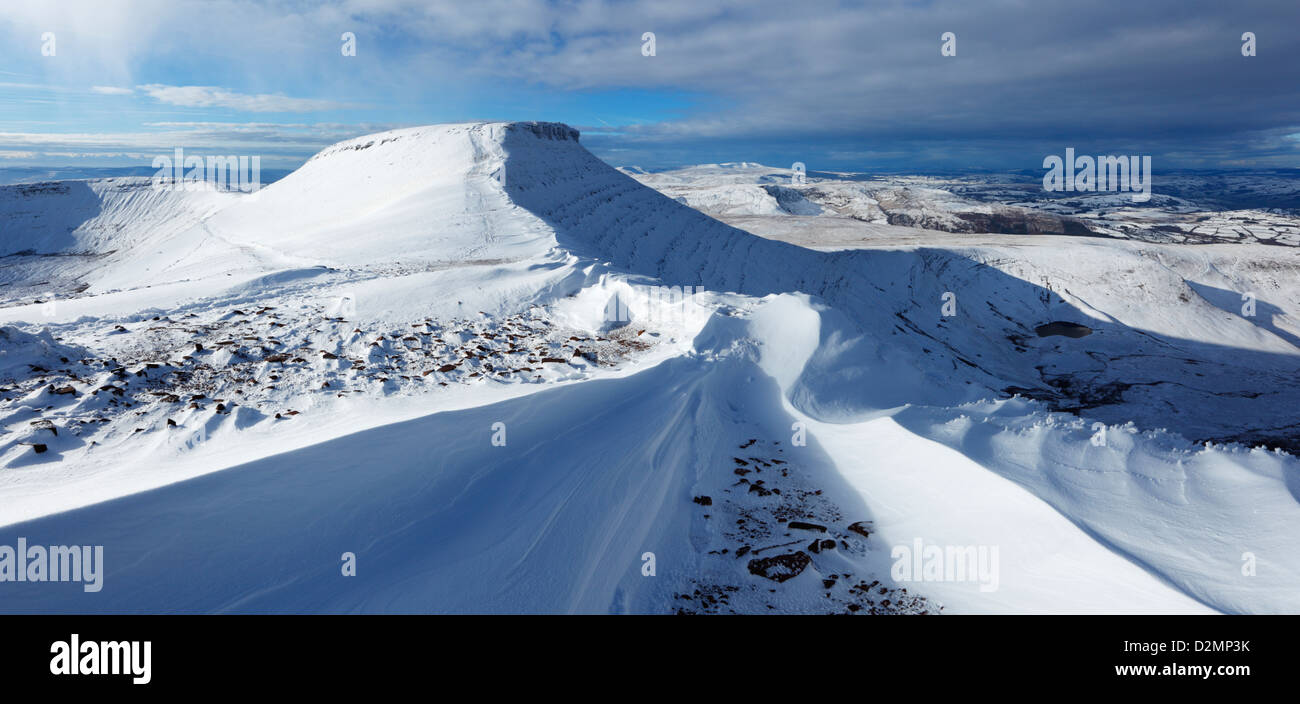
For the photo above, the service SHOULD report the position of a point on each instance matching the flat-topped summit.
(407, 135)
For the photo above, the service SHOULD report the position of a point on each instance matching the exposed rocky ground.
(774, 522)
(188, 373)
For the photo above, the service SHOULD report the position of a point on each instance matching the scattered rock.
(1063, 329)
(779, 568)
(862, 528)
(817, 546)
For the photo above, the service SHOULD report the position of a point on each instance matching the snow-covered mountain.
(507, 377)
(1185, 208)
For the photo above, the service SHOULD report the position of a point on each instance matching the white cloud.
(111, 90)
(281, 145)
(213, 97)
(753, 69)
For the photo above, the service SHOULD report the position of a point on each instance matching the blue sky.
(837, 85)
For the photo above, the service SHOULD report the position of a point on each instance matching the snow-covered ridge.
(94, 216)
(388, 180)
(411, 136)
(496, 193)
(346, 339)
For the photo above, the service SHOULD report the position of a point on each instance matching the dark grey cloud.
(1152, 77)
(842, 82)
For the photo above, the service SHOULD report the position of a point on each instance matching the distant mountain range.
(37, 174)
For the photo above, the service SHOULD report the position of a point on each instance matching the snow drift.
(958, 426)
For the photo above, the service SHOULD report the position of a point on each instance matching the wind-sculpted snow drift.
(650, 463)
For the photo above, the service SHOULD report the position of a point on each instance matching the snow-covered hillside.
(1184, 208)
(507, 377)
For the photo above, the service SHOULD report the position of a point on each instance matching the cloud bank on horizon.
(837, 85)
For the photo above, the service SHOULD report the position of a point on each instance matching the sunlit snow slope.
(475, 427)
